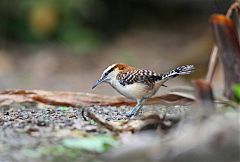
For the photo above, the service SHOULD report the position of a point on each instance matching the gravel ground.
(28, 129)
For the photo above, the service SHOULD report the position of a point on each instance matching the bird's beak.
(99, 81)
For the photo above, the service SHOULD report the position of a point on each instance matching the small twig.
(227, 103)
(83, 114)
(151, 121)
(212, 64)
(107, 124)
(234, 6)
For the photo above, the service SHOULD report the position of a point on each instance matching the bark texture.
(226, 38)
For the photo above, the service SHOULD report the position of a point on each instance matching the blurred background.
(66, 44)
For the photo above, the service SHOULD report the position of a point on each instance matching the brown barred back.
(149, 77)
(138, 76)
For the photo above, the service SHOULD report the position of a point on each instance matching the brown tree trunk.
(226, 39)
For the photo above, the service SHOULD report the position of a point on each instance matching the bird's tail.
(182, 70)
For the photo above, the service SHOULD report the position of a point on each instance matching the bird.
(138, 84)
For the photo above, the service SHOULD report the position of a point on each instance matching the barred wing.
(138, 76)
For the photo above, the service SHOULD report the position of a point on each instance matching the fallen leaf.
(77, 99)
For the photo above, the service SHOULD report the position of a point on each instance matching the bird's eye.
(106, 73)
(109, 71)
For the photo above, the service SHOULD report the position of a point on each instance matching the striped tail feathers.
(182, 70)
(187, 69)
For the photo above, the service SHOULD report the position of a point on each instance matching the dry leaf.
(75, 99)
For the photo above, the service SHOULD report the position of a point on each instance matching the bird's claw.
(129, 114)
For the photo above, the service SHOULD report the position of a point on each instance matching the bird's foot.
(129, 114)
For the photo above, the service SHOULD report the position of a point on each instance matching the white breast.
(135, 90)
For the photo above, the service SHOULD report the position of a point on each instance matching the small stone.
(6, 113)
(42, 123)
(91, 128)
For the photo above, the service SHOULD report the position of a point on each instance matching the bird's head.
(110, 73)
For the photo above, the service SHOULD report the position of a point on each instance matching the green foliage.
(236, 92)
(78, 149)
(98, 144)
(60, 21)
(59, 153)
(62, 108)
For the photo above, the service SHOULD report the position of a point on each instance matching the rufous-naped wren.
(138, 84)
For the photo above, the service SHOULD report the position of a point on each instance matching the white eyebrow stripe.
(108, 68)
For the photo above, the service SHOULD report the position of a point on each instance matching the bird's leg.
(135, 110)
